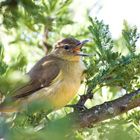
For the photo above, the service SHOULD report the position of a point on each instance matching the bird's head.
(69, 49)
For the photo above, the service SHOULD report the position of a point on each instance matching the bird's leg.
(80, 106)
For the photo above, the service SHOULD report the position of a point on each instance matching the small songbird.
(55, 79)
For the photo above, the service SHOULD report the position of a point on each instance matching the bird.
(54, 80)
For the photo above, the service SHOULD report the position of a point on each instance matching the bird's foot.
(77, 107)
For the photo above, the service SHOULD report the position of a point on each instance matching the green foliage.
(10, 75)
(113, 130)
(130, 37)
(23, 23)
(2, 63)
(113, 68)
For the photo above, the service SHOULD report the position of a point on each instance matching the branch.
(11, 3)
(104, 111)
(47, 46)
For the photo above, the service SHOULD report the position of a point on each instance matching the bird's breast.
(68, 84)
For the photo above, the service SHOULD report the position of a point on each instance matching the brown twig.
(46, 45)
(10, 3)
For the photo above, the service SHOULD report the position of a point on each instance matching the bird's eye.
(66, 47)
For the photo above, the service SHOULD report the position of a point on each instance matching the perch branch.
(104, 111)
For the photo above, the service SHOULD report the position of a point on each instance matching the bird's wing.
(41, 75)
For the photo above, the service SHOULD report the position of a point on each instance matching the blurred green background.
(27, 27)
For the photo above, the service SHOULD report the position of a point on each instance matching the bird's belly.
(64, 94)
(58, 94)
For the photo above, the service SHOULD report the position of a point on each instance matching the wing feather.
(41, 75)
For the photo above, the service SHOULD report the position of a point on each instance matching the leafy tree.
(26, 31)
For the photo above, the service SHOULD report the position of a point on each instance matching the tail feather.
(9, 106)
(8, 109)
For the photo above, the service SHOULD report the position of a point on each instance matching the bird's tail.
(7, 105)
(8, 109)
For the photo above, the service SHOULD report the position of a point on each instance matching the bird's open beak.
(77, 48)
